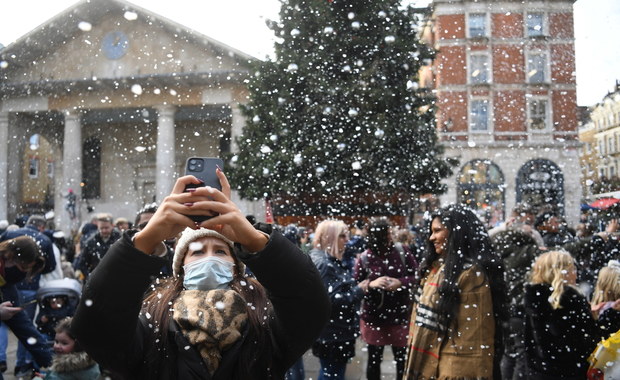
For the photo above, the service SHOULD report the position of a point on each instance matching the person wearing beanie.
(208, 320)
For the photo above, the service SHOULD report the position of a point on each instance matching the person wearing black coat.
(260, 327)
(560, 331)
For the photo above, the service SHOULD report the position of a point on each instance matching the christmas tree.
(337, 114)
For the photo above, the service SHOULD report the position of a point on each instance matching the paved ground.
(355, 370)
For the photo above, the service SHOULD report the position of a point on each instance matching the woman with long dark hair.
(210, 320)
(461, 302)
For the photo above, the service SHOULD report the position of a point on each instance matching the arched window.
(480, 186)
(541, 182)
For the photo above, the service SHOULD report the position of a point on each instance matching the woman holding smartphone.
(208, 321)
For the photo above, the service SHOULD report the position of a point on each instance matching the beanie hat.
(187, 237)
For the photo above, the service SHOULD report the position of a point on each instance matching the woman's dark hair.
(64, 326)
(257, 355)
(378, 235)
(24, 250)
(468, 243)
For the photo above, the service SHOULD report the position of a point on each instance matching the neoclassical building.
(109, 99)
(505, 83)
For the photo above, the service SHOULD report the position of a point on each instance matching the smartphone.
(28, 303)
(204, 169)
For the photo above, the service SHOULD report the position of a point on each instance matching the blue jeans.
(332, 370)
(4, 341)
(23, 328)
(23, 356)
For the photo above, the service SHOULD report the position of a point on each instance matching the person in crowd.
(21, 258)
(560, 332)
(460, 306)
(144, 215)
(356, 244)
(606, 299)
(304, 239)
(86, 232)
(336, 344)
(142, 219)
(26, 289)
(523, 218)
(70, 360)
(208, 321)
(96, 247)
(551, 228)
(391, 271)
(296, 372)
(518, 249)
(121, 224)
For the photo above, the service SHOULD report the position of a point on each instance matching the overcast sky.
(241, 24)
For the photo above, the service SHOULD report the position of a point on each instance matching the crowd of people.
(228, 298)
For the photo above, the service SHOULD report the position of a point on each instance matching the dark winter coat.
(109, 325)
(382, 307)
(518, 251)
(46, 250)
(93, 251)
(558, 342)
(345, 297)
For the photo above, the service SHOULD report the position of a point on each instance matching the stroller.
(57, 299)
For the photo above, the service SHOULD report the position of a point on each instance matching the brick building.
(505, 83)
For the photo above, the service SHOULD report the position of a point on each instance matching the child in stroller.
(57, 299)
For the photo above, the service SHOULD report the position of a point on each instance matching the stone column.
(165, 166)
(71, 170)
(4, 159)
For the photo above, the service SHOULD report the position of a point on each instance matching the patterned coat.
(466, 349)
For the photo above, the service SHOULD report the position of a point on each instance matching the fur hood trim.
(74, 361)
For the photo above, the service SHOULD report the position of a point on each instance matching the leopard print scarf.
(211, 320)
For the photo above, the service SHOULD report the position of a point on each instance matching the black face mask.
(13, 275)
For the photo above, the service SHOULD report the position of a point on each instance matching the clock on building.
(114, 44)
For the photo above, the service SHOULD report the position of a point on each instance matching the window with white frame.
(50, 169)
(601, 147)
(479, 67)
(479, 115)
(538, 111)
(33, 167)
(477, 25)
(535, 23)
(537, 67)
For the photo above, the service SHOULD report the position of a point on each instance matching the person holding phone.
(208, 321)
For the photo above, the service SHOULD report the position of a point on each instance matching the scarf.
(212, 321)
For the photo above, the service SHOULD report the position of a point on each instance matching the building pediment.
(108, 42)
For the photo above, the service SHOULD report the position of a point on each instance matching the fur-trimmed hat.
(189, 235)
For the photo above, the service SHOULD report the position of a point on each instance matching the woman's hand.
(229, 220)
(364, 285)
(171, 216)
(379, 283)
(7, 310)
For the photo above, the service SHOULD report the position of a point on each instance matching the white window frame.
(489, 125)
(529, 66)
(529, 101)
(485, 16)
(545, 28)
(50, 169)
(487, 70)
(33, 167)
